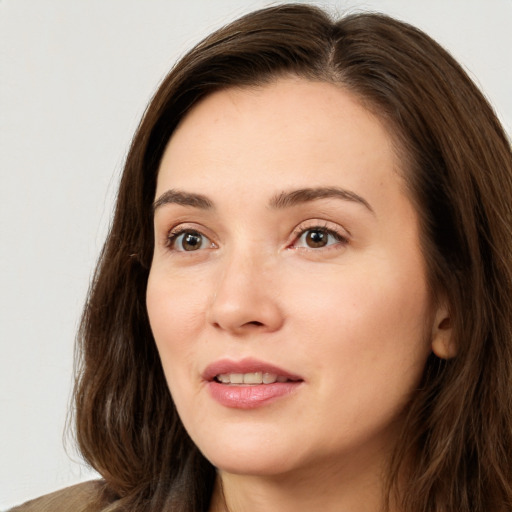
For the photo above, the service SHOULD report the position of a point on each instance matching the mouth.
(249, 383)
(248, 372)
(251, 378)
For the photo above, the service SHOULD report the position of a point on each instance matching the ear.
(443, 344)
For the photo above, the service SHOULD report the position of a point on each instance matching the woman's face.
(287, 293)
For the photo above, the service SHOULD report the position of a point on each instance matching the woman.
(305, 299)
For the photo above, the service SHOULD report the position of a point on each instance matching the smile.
(252, 378)
(249, 383)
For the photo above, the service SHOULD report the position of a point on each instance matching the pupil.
(316, 239)
(191, 241)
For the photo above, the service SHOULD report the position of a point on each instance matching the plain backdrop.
(75, 77)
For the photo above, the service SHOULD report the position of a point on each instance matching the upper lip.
(247, 365)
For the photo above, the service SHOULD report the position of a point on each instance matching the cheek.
(374, 320)
(176, 316)
(175, 304)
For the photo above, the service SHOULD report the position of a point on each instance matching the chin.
(240, 465)
(257, 456)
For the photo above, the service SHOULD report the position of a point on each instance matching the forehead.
(300, 132)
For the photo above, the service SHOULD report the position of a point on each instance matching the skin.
(353, 318)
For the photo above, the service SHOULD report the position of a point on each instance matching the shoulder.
(84, 497)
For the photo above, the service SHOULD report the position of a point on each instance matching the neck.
(331, 490)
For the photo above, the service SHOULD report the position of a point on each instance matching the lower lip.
(252, 396)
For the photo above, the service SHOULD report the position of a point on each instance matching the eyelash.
(174, 234)
(298, 233)
(340, 238)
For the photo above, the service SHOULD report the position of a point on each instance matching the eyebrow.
(183, 198)
(305, 195)
(279, 201)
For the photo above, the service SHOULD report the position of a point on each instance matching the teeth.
(250, 378)
(236, 378)
(253, 378)
(269, 378)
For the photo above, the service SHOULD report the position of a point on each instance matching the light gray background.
(75, 78)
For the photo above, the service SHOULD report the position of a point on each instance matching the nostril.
(255, 323)
(239, 314)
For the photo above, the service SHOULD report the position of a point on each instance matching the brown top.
(84, 497)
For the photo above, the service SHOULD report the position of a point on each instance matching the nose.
(246, 297)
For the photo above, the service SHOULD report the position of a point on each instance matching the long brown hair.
(457, 163)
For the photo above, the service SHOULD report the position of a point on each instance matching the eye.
(318, 237)
(188, 240)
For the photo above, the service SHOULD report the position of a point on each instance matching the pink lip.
(247, 365)
(248, 396)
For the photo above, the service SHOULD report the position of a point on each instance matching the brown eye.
(187, 241)
(316, 238)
